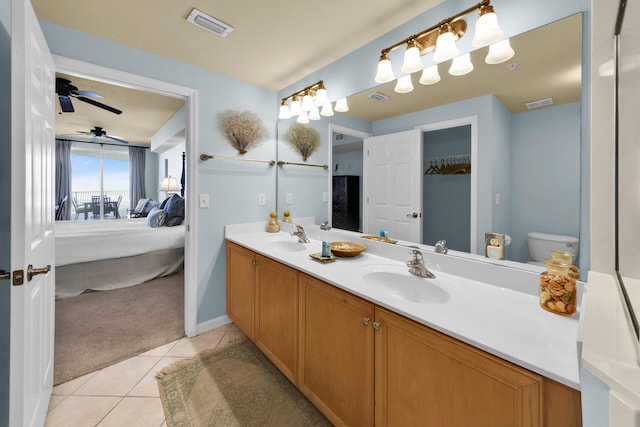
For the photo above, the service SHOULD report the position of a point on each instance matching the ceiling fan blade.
(98, 104)
(65, 104)
(86, 93)
(116, 138)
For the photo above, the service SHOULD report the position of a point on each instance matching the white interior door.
(392, 185)
(32, 234)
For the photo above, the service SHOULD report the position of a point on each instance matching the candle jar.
(558, 288)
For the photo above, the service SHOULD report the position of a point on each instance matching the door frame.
(96, 72)
(347, 131)
(473, 122)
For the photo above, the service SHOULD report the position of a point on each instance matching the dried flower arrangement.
(303, 138)
(243, 129)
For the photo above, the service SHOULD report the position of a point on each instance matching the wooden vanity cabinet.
(426, 378)
(241, 277)
(262, 300)
(276, 315)
(336, 352)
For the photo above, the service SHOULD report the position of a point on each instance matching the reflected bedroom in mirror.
(498, 150)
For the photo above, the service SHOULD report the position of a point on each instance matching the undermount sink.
(395, 281)
(287, 246)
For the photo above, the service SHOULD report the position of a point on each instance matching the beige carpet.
(233, 386)
(98, 329)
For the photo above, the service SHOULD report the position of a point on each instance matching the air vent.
(209, 23)
(378, 96)
(540, 103)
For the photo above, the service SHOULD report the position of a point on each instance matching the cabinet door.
(241, 287)
(425, 378)
(276, 323)
(336, 352)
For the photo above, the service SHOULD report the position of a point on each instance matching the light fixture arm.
(306, 91)
(422, 34)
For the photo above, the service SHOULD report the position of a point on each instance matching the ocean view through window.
(99, 173)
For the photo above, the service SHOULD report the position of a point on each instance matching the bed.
(103, 255)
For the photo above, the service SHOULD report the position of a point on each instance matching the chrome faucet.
(440, 247)
(302, 236)
(325, 226)
(417, 267)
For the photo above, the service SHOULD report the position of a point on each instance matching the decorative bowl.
(347, 249)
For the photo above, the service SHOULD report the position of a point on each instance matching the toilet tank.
(541, 245)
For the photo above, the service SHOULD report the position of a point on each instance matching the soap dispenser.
(286, 217)
(273, 226)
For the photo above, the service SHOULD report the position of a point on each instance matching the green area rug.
(233, 386)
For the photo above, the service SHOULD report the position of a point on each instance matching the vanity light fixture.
(309, 104)
(441, 40)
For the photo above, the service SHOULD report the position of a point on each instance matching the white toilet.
(541, 245)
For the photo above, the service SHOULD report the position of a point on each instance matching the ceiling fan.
(66, 91)
(99, 132)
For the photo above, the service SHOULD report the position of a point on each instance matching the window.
(99, 172)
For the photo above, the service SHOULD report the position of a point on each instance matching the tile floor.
(126, 394)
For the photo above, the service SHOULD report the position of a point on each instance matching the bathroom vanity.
(369, 344)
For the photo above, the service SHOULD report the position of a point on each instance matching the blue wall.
(233, 187)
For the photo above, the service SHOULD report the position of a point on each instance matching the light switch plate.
(325, 196)
(289, 198)
(204, 201)
(262, 199)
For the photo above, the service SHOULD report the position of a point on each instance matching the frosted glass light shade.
(321, 97)
(404, 85)
(487, 30)
(341, 105)
(430, 76)
(307, 103)
(294, 108)
(314, 114)
(284, 112)
(327, 110)
(303, 118)
(445, 47)
(499, 52)
(461, 65)
(385, 72)
(412, 61)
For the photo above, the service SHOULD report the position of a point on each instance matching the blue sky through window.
(86, 173)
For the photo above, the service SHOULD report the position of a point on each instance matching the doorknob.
(35, 271)
(5, 275)
(413, 215)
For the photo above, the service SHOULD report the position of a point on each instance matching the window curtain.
(136, 174)
(63, 177)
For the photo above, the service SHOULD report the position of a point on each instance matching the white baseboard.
(212, 324)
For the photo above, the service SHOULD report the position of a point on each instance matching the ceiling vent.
(378, 96)
(209, 23)
(540, 103)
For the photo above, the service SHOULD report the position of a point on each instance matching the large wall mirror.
(525, 169)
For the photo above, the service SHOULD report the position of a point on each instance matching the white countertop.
(494, 306)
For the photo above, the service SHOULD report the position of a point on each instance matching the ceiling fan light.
(341, 105)
(284, 112)
(430, 75)
(412, 62)
(499, 52)
(404, 85)
(461, 65)
(294, 108)
(445, 47)
(321, 97)
(303, 118)
(487, 29)
(385, 72)
(327, 110)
